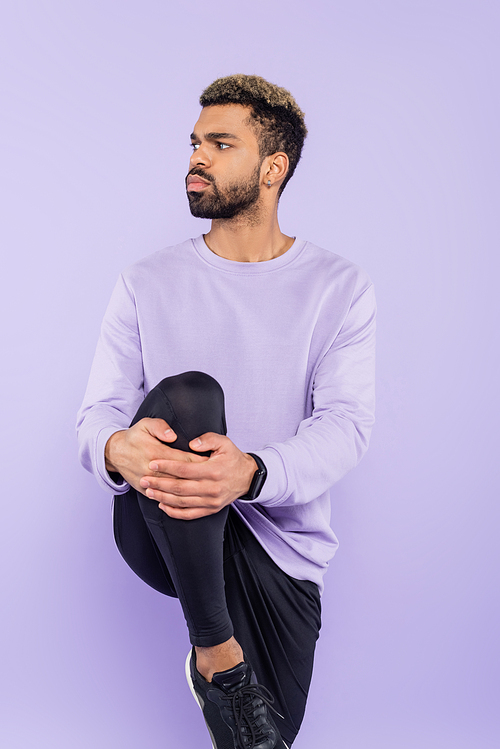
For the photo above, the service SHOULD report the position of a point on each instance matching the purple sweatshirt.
(290, 340)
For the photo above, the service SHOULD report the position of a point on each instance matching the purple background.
(400, 174)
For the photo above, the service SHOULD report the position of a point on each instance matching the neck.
(248, 240)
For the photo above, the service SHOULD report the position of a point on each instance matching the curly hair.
(278, 119)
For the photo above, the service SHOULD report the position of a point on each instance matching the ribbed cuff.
(101, 474)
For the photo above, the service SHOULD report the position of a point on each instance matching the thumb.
(161, 430)
(209, 441)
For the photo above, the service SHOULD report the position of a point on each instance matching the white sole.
(189, 680)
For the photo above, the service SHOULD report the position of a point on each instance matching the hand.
(191, 489)
(130, 451)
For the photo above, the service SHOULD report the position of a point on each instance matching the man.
(281, 333)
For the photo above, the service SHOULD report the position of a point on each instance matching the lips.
(195, 183)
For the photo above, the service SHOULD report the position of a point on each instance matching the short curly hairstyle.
(279, 120)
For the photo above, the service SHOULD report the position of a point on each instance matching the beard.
(229, 202)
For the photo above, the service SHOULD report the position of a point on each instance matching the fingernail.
(154, 467)
(167, 431)
(197, 441)
(144, 483)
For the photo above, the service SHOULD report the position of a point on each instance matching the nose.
(199, 157)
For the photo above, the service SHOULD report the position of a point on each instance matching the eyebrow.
(216, 136)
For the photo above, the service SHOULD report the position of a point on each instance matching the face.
(224, 177)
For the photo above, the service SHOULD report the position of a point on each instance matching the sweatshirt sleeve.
(115, 388)
(334, 438)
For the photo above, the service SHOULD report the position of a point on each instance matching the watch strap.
(258, 479)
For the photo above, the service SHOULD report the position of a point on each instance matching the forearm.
(331, 441)
(115, 387)
(304, 467)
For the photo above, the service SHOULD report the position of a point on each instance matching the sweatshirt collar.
(234, 266)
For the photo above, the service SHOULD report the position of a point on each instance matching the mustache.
(197, 172)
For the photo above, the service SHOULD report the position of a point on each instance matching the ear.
(276, 168)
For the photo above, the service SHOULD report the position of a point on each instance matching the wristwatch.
(258, 480)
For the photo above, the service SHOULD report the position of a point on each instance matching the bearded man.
(275, 335)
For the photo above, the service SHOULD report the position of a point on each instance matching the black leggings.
(225, 581)
(190, 559)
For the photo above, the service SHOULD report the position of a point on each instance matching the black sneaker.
(235, 708)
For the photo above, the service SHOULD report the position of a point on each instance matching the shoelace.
(244, 713)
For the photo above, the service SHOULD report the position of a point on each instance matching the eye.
(222, 146)
(194, 146)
